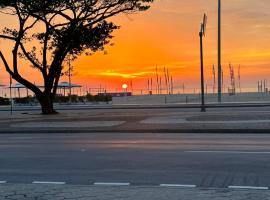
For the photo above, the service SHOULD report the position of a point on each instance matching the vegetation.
(84, 99)
(4, 101)
(25, 100)
(52, 28)
(60, 99)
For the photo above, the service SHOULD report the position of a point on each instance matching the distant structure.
(158, 83)
(160, 86)
(260, 87)
(263, 86)
(232, 89)
(148, 86)
(151, 87)
(131, 86)
(116, 94)
(239, 78)
(166, 80)
(214, 79)
(222, 80)
(183, 87)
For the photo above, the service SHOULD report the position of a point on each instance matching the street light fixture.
(202, 34)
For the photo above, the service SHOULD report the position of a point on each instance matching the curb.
(162, 131)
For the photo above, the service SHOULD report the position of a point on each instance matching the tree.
(56, 30)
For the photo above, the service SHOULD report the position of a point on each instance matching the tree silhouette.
(57, 29)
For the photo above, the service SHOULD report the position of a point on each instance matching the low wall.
(190, 99)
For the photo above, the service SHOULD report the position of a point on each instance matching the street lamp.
(219, 53)
(202, 34)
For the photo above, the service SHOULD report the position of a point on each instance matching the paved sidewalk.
(159, 120)
(61, 192)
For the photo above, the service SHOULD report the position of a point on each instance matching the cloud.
(125, 75)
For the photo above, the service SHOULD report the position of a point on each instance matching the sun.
(124, 86)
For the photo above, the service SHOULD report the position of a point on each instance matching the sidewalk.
(59, 192)
(144, 120)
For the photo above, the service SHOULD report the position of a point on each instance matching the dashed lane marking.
(111, 184)
(177, 185)
(248, 187)
(48, 182)
(2, 182)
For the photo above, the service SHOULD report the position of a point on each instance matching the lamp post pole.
(202, 73)
(202, 34)
(219, 54)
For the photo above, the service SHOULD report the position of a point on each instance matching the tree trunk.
(46, 102)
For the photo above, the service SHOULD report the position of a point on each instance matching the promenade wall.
(191, 99)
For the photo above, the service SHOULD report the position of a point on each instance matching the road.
(202, 160)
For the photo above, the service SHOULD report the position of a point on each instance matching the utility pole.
(202, 34)
(219, 53)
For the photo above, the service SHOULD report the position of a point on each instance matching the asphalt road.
(202, 160)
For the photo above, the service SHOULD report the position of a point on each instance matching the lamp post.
(219, 53)
(202, 34)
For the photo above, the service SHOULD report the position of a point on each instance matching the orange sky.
(167, 35)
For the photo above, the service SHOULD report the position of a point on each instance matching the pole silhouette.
(219, 53)
(202, 34)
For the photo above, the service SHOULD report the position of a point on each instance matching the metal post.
(219, 53)
(69, 79)
(10, 95)
(202, 74)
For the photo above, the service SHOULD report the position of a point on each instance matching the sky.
(167, 35)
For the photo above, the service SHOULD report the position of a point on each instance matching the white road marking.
(248, 187)
(48, 182)
(177, 185)
(2, 182)
(231, 152)
(111, 184)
